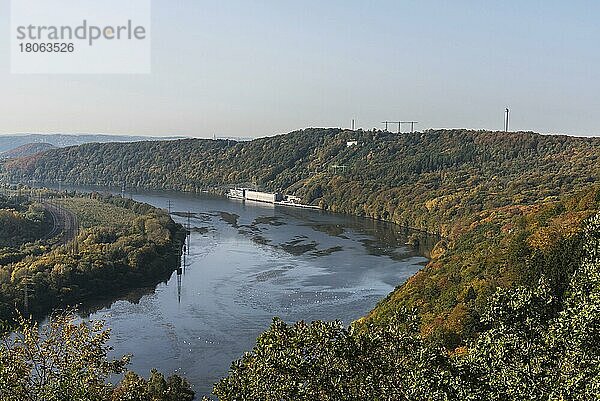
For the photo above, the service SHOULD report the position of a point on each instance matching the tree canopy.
(67, 360)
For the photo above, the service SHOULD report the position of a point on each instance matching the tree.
(63, 360)
(325, 361)
(67, 360)
(538, 347)
(156, 388)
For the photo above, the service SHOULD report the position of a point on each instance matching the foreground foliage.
(536, 345)
(66, 360)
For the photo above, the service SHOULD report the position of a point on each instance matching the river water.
(247, 263)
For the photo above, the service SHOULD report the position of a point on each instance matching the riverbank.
(107, 245)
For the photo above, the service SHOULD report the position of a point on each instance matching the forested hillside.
(505, 247)
(8, 142)
(427, 180)
(28, 149)
(508, 205)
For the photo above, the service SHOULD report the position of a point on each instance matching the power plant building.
(262, 196)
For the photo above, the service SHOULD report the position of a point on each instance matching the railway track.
(64, 223)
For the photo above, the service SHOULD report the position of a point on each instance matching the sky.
(250, 68)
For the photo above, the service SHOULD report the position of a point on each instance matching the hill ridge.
(500, 201)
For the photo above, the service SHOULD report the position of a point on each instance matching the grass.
(94, 212)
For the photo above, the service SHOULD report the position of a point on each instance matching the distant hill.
(507, 204)
(9, 142)
(426, 179)
(26, 150)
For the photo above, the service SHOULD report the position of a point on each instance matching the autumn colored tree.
(67, 360)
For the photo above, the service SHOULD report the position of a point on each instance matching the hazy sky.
(254, 68)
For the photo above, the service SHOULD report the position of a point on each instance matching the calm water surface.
(247, 264)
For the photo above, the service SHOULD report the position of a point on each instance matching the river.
(247, 263)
